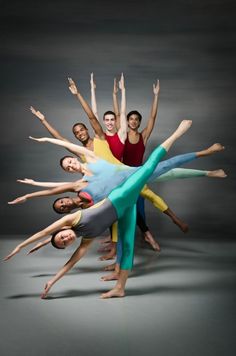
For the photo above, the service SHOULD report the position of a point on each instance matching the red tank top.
(133, 152)
(116, 146)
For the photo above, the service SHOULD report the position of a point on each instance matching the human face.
(71, 165)
(110, 122)
(81, 133)
(133, 122)
(63, 205)
(65, 238)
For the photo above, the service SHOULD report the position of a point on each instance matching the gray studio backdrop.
(189, 46)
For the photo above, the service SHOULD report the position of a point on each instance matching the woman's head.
(70, 164)
(63, 238)
(63, 205)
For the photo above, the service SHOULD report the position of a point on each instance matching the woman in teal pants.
(89, 223)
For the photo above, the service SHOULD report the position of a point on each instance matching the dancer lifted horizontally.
(120, 205)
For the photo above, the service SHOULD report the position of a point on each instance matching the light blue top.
(107, 176)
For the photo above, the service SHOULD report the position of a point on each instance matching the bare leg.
(182, 128)
(110, 255)
(112, 276)
(119, 289)
(182, 225)
(217, 147)
(219, 173)
(150, 240)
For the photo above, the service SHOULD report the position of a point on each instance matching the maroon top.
(116, 146)
(133, 152)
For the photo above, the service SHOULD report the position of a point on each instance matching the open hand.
(115, 87)
(72, 86)
(18, 200)
(156, 88)
(92, 83)
(122, 82)
(26, 181)
(47, 288)
(41, 139)
(37, 113)
(13, 253)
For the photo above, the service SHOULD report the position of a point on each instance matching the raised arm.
(122, 132)
(92, 118)
(75, 149)
(45, 123)
(93, 96)
(41, 184)
(152, 118)
(116, 104)
(68, 187)
(77, 255)
(65, 221)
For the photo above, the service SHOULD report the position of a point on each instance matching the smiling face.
(134, 122)
(71, 164)
(81, 133)
(64, 238)
(110, 122)
(63, 205)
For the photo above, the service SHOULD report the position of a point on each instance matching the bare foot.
(150, 240)
(110, 267)
(110, 277)
(183, 127)
(109, 256)
(219, 173)
(216, 147)
(115, 292)
(105, 239)
(105, 247)
(182, 225)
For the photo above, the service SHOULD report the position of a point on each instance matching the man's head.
(134, 119)
(81, 132)
(63, 238)
(70, 164)
(109, 120)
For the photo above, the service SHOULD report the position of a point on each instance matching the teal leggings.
(124, 198)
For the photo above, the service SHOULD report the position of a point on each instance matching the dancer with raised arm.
(120, 205)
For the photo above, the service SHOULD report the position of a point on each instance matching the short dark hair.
(62, 159)
(134, 112)
(109, 112)
(53, 240)
(80, 124)
(54, 203)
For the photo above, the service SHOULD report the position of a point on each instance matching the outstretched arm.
(41, 184)
(93, 96)
(122, 132)
(115, 104)
(152, 118)
(69, 187)
(50, 129)
(77, 255)
(39, 245)
(75, 149)
(65, 221)
(92, 118)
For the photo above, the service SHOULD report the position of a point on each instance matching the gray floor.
(179, 302)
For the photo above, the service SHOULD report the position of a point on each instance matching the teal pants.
(124, 198)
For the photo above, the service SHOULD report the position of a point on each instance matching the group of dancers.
(114, 181)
